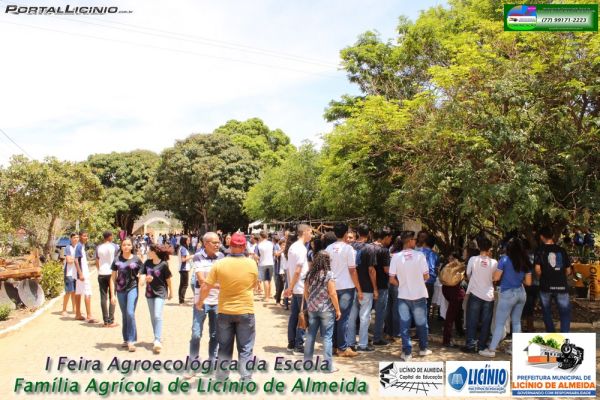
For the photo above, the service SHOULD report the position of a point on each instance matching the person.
(105, 255)
(425, 243)
(266, 263)
(409, 271)
(158, 288)
(203, 262)
(514, 269)
(343, 266)
(383, 239)
(226, 243)
(480, 303)
(236, 277)
(83, 285)
(350, 237)
(454, 294)
(297, 267)
(279, 270)
(532, 291)
(392, 320)
(365, 267)
(552, 266)
(124, 282)
(322, 306)
(184, 268)
(194, 243)
(70, 273)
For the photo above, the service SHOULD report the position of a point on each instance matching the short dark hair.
(546, 232)
(73, 234)
(106, 234)
(82, 232)
(329, 238)
(264, 234)
(340, 229)
(430, 241)
(406, 236)
(383, 233)
(484, 243)
(363, 230)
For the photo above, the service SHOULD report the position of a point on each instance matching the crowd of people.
(333, 283)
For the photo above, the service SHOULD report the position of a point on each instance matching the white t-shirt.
(297, 255)
(282, 264)
(194, 241)
(85, 269)
(71, 269)
(265, 248)
(409, 266)
(106, 255)
(343, 257)
(480, 271)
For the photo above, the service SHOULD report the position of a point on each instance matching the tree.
(125, 176)
(268, 147)
(39, 193)
(290, 190)
(478, 130)
(203, 180)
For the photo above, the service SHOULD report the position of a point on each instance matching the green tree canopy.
(203, 180)
(469, 128)
(35, 194)
(290, 190)
(125, 176)
(268, 147)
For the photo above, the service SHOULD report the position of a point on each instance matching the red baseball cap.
(238, 239)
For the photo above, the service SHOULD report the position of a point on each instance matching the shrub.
(5, 310)
(52, 279)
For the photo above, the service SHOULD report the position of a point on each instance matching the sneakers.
(347, 353)
(425, 352)
(466, 349)
(290, 348)
(365, 349)
(157, 347)
(406, 357)
(298, 350)
(487, 353)
(124, 345)
(381, 342)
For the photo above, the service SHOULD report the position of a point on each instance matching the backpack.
(452, 274)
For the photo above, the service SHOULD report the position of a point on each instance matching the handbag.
(452, 274)
(302, 317)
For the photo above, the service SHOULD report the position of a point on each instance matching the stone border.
(27, 320)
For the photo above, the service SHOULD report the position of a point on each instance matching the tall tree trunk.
(49, 243)
(205, 218)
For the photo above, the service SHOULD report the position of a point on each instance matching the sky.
(72, 86)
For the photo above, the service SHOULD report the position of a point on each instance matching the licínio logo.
(63, 10)
(458, 378)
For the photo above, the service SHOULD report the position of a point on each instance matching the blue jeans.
(410, 310)
(340, 328)
(361, 309)
(564, 310)
(198, 319)
(242, 329)
(380, 314)
(295, 334)
(392, 320)
(324, 320)
(127, 303)
(510, 303)
(155, 305)
(478, 310)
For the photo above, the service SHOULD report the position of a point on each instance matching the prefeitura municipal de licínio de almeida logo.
(42, 9)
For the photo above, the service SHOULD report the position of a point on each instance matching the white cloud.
(71, 88)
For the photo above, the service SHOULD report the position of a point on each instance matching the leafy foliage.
(204, 179)
(124, 176)
(35, 194)
(267, 147)
(52, 279)
(5, 311)
(290, 190)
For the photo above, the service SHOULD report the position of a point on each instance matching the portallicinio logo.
(62, 10)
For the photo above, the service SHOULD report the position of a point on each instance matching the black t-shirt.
(382, 257)
(127, 272)
(365, 257)
(554, 260)
(160, 273)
